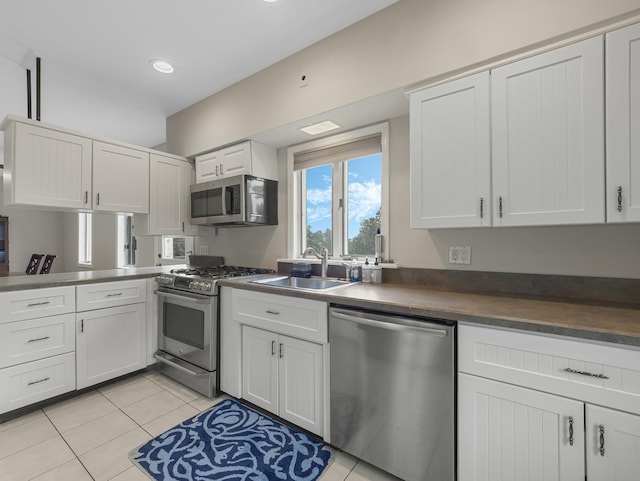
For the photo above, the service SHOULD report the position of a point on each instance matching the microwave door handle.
(228, 203)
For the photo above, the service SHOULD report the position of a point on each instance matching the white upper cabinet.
(46, 167)
(451, 155)
(548, 137)
(120, 179)
(245, 158)
(623, 125)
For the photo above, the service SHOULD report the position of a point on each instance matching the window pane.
(364, 201)
(318, 207)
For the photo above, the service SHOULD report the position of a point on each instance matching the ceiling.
(212, 43)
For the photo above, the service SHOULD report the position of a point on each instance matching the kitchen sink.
(307, 283)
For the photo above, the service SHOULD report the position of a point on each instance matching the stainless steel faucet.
(324, 258)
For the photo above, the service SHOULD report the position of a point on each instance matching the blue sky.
(364, 193)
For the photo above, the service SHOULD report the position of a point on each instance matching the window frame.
(296, 185)
(85, 239)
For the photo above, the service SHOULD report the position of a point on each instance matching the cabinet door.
(548, 137)
(300, 383)
(613, 445)
(508, 433)
(450, 154)
(623, 125)
(208, 166)
(166, 196)
(50, 168)
(236, 160)
(120, 179)
(260, 368)
(109, 343)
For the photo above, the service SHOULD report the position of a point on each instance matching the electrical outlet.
(459, 255)
(204, 250)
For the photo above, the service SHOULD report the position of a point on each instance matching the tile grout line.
(70, 448)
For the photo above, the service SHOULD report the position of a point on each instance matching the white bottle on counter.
(376, 273)
(366, 271)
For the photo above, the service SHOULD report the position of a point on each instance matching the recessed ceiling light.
(162, 66)
(270, 1)
(320, 127)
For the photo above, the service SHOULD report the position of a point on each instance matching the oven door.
(187, 327)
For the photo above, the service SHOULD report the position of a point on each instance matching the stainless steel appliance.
(188, 324)
(392, 383)
(237, 200)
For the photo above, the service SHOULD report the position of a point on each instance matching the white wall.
(408, 43)
(95, 107)
(34, 232)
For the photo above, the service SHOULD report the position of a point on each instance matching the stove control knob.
(206, 286)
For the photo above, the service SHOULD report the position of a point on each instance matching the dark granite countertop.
(592, 321)
(21, 282)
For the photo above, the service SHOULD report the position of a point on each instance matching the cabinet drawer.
(34, 339)
(592, 372)
(32, 303)
(111, 294)
(36, 381)
(301, 318)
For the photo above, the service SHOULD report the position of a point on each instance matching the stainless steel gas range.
(188, 327)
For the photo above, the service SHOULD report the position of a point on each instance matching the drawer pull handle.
(39, 339)
(114, 295)
(273, 348)
(275, 313)
(38, 382)
(281, 351)
(43, 303)
(570, 430)
(481, 207)
(585, 373)
(601, 439)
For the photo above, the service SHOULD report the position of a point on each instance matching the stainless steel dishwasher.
(392, 392)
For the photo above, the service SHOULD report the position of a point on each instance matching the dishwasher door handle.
(398, 324)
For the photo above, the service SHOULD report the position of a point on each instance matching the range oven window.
(184, 325)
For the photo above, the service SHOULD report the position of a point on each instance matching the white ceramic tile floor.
(89, 437)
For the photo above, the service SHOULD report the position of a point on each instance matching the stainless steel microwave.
(237, 200)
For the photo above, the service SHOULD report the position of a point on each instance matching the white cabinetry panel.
(623, 125)
(46, 167)
(28, 304)
(166, 196)
(548, 137)
(35, 381)
(110, 342)
(509, 433)
(120, 179)
(260, 368)
(33, 339)
(541, 362)
(451, 154)
(613, 445)
(110, 294)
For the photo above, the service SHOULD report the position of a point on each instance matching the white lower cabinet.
(537, 407)
(36, 381)
(284, 375)
(109, 343)
(508, 433)
(613, 445)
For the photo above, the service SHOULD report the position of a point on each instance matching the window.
(84, 239)
(340, 194)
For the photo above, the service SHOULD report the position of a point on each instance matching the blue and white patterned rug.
(232, 442)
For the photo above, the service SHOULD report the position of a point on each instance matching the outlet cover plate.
(459, 254)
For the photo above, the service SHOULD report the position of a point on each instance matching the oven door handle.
(179, 297)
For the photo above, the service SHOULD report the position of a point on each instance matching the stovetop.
(202, 279)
